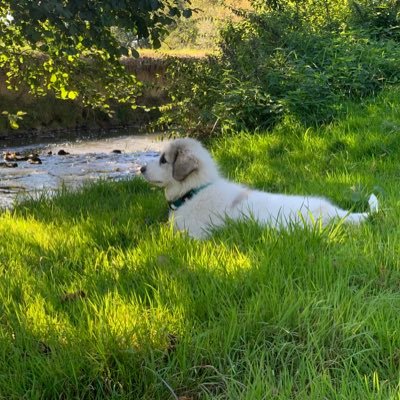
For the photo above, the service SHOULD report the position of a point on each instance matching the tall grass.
(100, 299)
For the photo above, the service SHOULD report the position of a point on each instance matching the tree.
(69, 47)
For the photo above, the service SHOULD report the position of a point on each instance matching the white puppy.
(199, 198)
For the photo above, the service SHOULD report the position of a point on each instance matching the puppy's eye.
(163, 160)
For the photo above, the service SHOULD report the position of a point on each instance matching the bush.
(271, 65)
(380, 18)
(193, 90)
(245, 106)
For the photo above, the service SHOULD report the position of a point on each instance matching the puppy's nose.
(143, 169)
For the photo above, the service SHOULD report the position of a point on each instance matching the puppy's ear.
(185, 163)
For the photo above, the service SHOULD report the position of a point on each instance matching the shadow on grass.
(111, 214)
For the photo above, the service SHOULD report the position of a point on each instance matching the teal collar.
(174, 205)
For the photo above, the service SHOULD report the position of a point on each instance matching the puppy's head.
(183, 163)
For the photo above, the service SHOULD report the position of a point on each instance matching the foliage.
(281, 60)
(14, 118)
(381, 18)
(201, 31)
(195, 84)
(202, 90)
(71, 48)
(243, 105)
(183, 34)
(313, 14)
(68, 28)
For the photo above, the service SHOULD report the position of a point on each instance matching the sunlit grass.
(100, 299)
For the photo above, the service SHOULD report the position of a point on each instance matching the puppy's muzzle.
(143, 169)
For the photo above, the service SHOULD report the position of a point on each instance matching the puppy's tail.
(356, 218)
(373, 204)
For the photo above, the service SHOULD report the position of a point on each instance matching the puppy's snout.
(143, 169)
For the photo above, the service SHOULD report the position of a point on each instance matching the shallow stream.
(88, 160)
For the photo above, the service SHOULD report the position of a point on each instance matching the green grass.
(100, 299)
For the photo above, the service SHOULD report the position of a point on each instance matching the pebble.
(62, 152)
(14, 157)
(8, 165)
(34, 160)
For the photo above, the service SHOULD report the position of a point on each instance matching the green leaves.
(58, 24)
(70, 48)
(14, 118)
(72, 95)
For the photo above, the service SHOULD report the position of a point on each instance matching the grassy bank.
(100, 299)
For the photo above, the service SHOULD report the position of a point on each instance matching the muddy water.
(88, 160)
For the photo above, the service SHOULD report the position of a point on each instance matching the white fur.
(221, 198)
